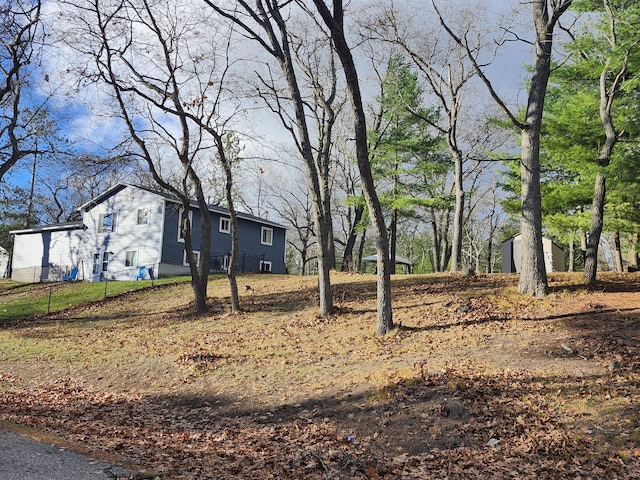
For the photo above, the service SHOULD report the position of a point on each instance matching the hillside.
(476, 381)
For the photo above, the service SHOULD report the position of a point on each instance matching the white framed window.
(131, 258)
(143, 216)
(225, 225)
(225, 263)
(181, 225)
(196, 256)
(265, 266)
(101, 262)
(106, 258)
(107, 222)
(266, 236)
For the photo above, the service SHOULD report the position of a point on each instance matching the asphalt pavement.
(22, 458)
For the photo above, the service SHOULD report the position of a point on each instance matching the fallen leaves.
(465, 393)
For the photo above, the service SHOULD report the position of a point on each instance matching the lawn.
(476, 381)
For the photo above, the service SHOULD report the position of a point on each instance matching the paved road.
(25, 459)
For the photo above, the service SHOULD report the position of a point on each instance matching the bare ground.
(476, 381)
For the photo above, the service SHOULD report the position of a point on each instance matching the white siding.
(128, 235)
(46, 256)
(42, 256)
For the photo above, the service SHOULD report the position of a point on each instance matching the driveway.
(24, 459)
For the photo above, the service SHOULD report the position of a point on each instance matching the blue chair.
(139, 275)
(71, 276)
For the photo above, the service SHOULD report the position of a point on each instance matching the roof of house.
(172, 198)
(55, 227)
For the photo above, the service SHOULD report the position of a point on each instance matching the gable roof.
(173, 199)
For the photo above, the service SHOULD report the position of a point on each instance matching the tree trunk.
(618, 247)
(597, 222)
(324, 268)
(492, 233)
(533, 276)
(335, 23)
(456, 246)
(348, 263)
(393, 240)
(572, 256)
(315, 183)
(363, 239)
(600, 190)
(198, 286)
(632, 252)
(232, 268)
(435, 244)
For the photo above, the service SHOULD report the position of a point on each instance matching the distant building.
(128, 227)
(4, 262)
(554, 256)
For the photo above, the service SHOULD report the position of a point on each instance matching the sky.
(92, 130)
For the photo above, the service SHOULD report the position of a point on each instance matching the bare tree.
(350, 209)
(265, 24)
(546, 14)
(145, 55)
(334, 20)
(294, 206)
(20, 28)
(446, 71)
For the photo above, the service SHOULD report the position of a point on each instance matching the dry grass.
(455, 337)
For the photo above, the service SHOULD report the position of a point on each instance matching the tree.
(265, 24)
(546, 14)
(148, 57)
(14, 214)
(400, 143)
(446, 73)
(20, 30)
(609, 53)
(334, 20)
(350, 208)
(294, 206)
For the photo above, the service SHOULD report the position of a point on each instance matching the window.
(181, 225)
(265, 266)
(131, 258)
(266, 236)
(101, 262)
(143, 216)
(225, 263)
(196, 256)
(106, 256)
(225, 225)
(107, 222)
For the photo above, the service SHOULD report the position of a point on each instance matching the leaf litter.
(507, 387)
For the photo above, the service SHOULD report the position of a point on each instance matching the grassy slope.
(472, 361)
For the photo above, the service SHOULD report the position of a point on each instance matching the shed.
(554, 255)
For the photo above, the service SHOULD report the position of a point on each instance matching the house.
(127, 227)
(554, 255)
